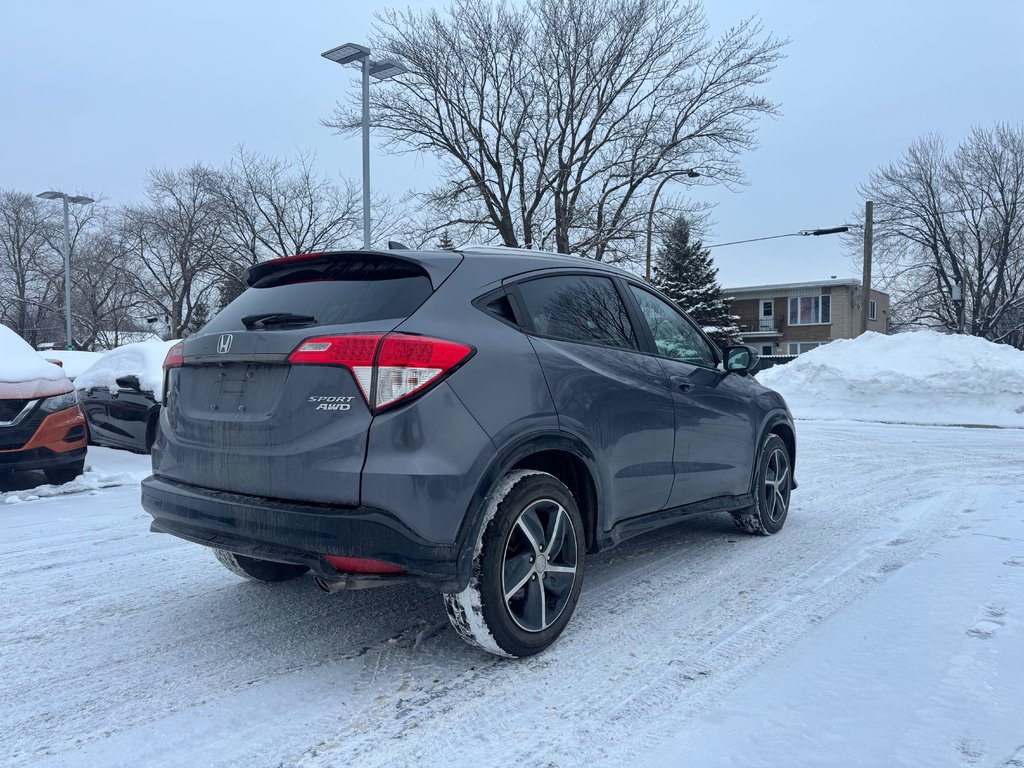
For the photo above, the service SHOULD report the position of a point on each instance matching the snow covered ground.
(883, 626)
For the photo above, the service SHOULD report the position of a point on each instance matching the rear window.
(334, 291)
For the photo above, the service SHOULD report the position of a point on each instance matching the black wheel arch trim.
(774, 419)
(507, 457)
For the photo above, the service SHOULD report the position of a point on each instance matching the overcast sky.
(96, 93)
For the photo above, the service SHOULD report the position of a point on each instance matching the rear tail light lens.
(403, 364)
(175, 356)
(363, 565)
(409, 363)
(353, 352)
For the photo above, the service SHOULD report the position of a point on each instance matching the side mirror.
(741, 359)
(129, 382)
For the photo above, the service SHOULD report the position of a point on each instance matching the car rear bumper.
(292, 532)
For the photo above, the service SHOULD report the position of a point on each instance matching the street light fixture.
(349, 53)
(77, 200)
(689, 173)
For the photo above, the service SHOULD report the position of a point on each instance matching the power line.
(801, 233)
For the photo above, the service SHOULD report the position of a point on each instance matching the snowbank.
(912, 378)
(20, 363)
(144, 360)
(74, 362)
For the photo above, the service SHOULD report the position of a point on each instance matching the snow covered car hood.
(24, 375)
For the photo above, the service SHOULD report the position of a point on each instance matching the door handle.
(682, 382)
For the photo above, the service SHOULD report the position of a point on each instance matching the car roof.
(526, 259)
(439, 264)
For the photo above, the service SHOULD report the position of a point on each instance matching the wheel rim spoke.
(535, 605)
(518, 571)
(554, 543)
(532, 529)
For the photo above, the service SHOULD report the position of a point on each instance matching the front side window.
(872, 310)
(810, 310)
(674, 336)
(578, 308)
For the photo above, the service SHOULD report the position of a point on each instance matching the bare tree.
(105, 291)
(556, 121)
(951, 225)
(28, 302)
(176, 236)
(275, 207)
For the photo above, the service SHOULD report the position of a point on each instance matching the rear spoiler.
(437, 264)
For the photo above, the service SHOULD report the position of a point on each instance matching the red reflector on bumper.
(362, 565)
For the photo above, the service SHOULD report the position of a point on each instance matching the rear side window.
(578, 308)
(333, 291)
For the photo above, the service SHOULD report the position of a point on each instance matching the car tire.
(527, 568)
(255, 569)
(64, 474)
(771, 490)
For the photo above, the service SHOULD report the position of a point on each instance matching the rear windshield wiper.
(267, 319)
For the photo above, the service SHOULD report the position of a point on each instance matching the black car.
(121, 394)
(125, 418)
(475, 421)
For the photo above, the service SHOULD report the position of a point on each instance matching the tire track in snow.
(701, 654)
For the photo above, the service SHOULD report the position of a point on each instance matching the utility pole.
(868, 243)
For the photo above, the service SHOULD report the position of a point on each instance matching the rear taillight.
(362, 565)
(175, 359)
(175, 356)
(401, 364)
(353, 352)
(409, 363)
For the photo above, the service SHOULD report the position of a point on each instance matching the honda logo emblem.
(224, 343)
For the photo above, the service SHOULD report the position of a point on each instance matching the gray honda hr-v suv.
(475, 421)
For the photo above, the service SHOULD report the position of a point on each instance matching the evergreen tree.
(444, 243)
(685, 273)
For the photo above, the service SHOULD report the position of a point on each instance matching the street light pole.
(366, 152)
(385, 69)
(689, 172)
(869, 221)
(67, 275)
(78, 200)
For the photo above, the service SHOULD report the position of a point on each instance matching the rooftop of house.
(843, 281)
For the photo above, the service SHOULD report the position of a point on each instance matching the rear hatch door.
(241, 418)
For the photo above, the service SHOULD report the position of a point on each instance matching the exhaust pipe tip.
(325, 585)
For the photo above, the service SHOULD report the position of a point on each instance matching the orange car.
(41, 423)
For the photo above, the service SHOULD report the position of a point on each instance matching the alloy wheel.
(539, 565)
(776, 485)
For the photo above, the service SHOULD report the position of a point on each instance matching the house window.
(810, 310)
(766, 349)
(799, 347)
(767, 308)
(872, 307)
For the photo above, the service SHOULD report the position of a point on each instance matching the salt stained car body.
(41, 423)
(474, 421)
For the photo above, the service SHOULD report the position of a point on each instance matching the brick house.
(791, 318)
